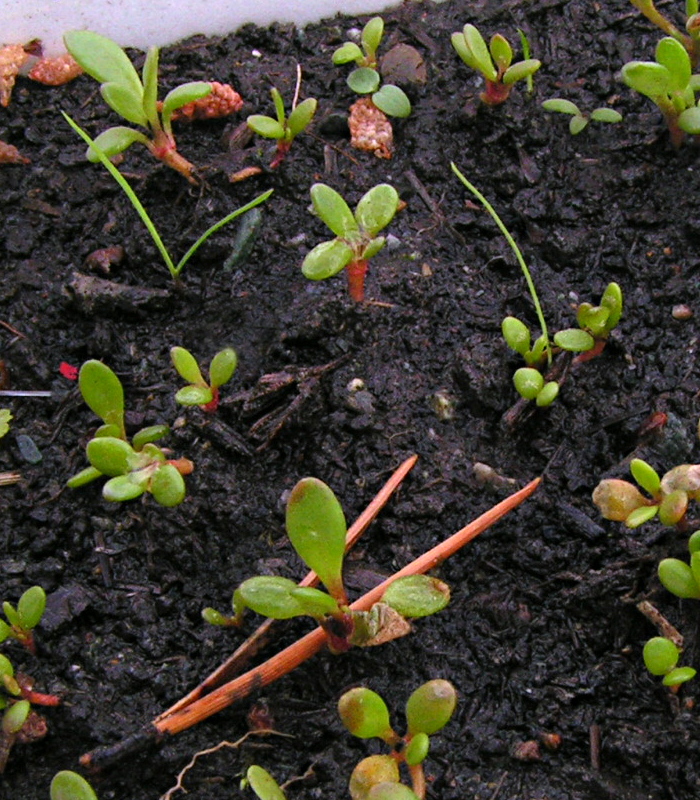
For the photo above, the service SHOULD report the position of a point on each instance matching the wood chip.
(220, 102)
(370, 129)
(9, 154)
(12, 57)
(55, 71)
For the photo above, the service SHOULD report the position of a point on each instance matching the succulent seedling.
(622, 501)
(494, 62)
(692, 25)
(15, 709)
(285, 128)
(579, 120)
(365, 714)
(67, 785)
(670, 84)
(365, 78)
(356, 232)
(133, 468)
(316, 528)
(661, 658)
(199, 392)
(680, 578)
(22, 619)
(134, 98)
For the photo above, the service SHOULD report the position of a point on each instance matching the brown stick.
(260, 637)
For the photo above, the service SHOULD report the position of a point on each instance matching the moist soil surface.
(542, 635)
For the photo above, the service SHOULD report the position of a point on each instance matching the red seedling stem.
(356, 279)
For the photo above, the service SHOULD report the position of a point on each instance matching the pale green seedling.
(22, 619)
(15, 710)
(285, 128)
(661, 658)
(200, 392)
(579, 120)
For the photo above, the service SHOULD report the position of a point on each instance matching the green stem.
(518, 255)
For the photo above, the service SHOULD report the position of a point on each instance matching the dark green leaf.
(364, 80)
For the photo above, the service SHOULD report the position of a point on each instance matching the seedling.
(284, 129)
(15, 709)
(67, 785)
(22, 620)
(133, 98)
(680, 578)
(263, 784)
(356, 234)
(199, 392)
(661, 657)
(174, 269)
(365, 78)
(316, 528)
(692, 25)
(621, 501)
(494, 62)
(579, 120)
(670, 84)
(133, 468)
(365, 714)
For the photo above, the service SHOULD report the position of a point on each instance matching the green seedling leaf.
(186, 366)
(677, 577)
(606, 115)
(314, 602)
(6, 668)
(301, 116)
(679, 675)
(516, 334)
(265, 126)
(126, 101)
(214, 617)
(370, 772)
(372, 36)
(430, 707)
(67, 785)
(501, 52)
(111, 456)
(593, 319)
(222, 367)
(122, 488)
(365, 714)
(15, 716)
(5, 633)
(673, 507)
(182, 95)
(392, 101)
(391, 791)
(11, 613)
(326, 259)
(377, 208)
(103, 392)
(672, 55)
(574, 340)
(279, 105)
(694, 543)
(577, 124)
(641, 515)
(523, 69)
(5, 419)
(481, 58)
(168, 486)
(316, 527)
(346, 53)
(547, 395)
(102, 59)
(114, 141)
(417, 749)
(194, 396)
(561, 105)
(269, 595)
(373, 248)
(148, 435)
(333, 210)
(263, 784)
(528, 382)
(364, 80)
(689, 120)
(648, 78)
(149, 75)
(30, 607)
(460, 46)
(417, 596)
(83, 477)
(660, 655)
(646, 476)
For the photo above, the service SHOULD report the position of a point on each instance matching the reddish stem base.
(356, 279)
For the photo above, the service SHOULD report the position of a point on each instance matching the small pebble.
(682, 312)
(526, 751)
(28, 451)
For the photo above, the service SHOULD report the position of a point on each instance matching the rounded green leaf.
(103, 392)
(647, 77)
(673, 507)
(646, 476)
(222, 367)
(346, 53)
(269, 595)
(417, 749)
(501, 52)
(15, 716)
(214, 617)
(31, 607)
(114, 141)
(675, 58)
(561, 105)
(641, 515)
(430, 707)
(83, 477)
(460, 45)
(263, 784)
(516, 334)
(574, 340)
(660, 655)
(577, 124)
(186, 366)
(528, 382)
(523, 69)
(301, 116)
(5, 632)
(594, 319)
(481, 58)
(374, 246)
(126, 100)
(547, 395)
(377, 208)
(677, 577)
(606, 115)
(194, 396)
(168, 486)
(392, 101)
(364, 80)
(333, 210)
(102, 58)
(679, 675)
(265, 126)
(612, 300)
(182, 95)
(689, 120)
(316, 527)
(417, 596)
(6, 668)
(122, 488)
(148, 435)
(67, 785)
(391, 791)
(694, 542)
(111, 456)
(365, 714)
(326, 259)
(372, 35)
(11, 613)
(370, 772)
(314, 602)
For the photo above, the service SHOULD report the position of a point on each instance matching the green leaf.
(314, 602)
(417, 596)
(5, 632)
(222, 367)
(194, 396)
(364, 80)
(694, 543)
(67, 785)
(648, 78)
(181, 96)
(372, 36)
(547, 394)
(528, 382)
(673, 507)
(102, 58)
(346, 53)
(561, 105)
(677, 577)
(269, 595)
(689, 120)
(301, 116)
(679, 675)
(577, 124)
(660, 655)
(392, 101)
(675, 58)
(111, 456)
(148, 435)
(371, 772)
(186, 366)
(316, 527)
(122, 488)
(377, 208)
(326, 259)
(150, 86)
(374, 246)
(574, 340)
(83, 477)
(15, 716)
(263, 784)
(114, 141)
(479, 52)
(279, 106)
(516, 334)
(646, 476)
(606, 115)
(523, 69)
(31, 607)
(641, 515)
(5, 419)
(168, 486)
(126, 101)
(430, 707)
(333, 210)
(265, 126)
(501, 52)
(365, 714)
(11, 613)
(103, 392)
(612, 299)
(417, 749)
(594, 319)
(460, 45)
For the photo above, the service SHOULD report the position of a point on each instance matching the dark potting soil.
(542, 635)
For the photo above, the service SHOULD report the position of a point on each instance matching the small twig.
(11, 329)
(660, 622)
(10, 478)
(297, 88)
(21, 393)
(594, 739)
